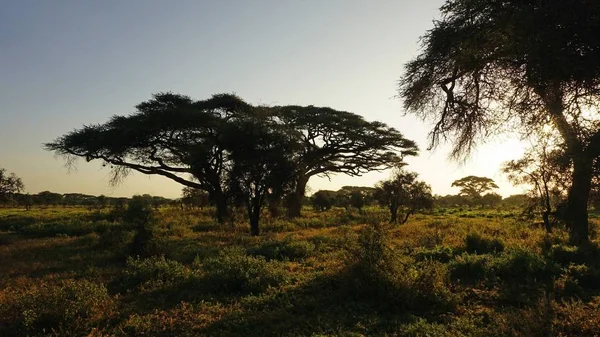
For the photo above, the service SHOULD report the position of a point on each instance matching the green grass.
(66, 272)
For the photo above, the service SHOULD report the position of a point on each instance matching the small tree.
(546, 171)
(403, 193)
(491, 199)
(193, 197)
(323, 200)
(9, 185)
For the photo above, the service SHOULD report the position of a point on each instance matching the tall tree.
(262, 165)
(473, 187)
(491, 64)
(170, 135)
(335, 141)
(9, 185)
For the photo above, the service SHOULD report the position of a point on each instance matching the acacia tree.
(405, 193)
(493, 63)
(333, 141)
(262, 165)
(9, 185)
(473, 187)
(170, 135)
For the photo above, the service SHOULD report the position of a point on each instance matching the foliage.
(476, 243)
(152, 273)
(67, 307)
(403, 192)
(233, 271)
(335, 141)
(262, 165)
(323, 200)
(9, 185)
(488, 66)
(473, 187)
(287, 249)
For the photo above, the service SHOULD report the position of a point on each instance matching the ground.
(453, 272)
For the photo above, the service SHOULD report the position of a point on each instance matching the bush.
(233, 271)
(67, 308)
(378, 275)
(521, 265)
(478, 244)
(286, 249)
(438, 253)
(469, 268)
(153, 273)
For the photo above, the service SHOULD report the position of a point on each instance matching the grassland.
(68, 272)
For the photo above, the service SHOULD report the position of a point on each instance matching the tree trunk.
(408, 213)
(394, 214)
(254, 215)
(546, 217)
(296, 198)
(221, 206)
(577, 214)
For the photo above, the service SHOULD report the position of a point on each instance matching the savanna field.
(453, 272)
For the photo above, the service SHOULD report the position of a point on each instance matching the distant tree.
(323, 200)
(473, 187)
(9, 185)
(48, 198)
(357, 200)
(262, 165)
(333, 141)
(403, 193)
(516, 200)
(489, 66)
(193, 197)
(491, 199)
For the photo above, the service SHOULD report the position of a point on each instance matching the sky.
(65, 64)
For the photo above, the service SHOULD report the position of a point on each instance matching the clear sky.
(68, 63)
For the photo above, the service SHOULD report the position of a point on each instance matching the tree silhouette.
(473, 187)
(405, 193)
(489, 65)
(335, 141)
(170, 135)
(9, 185)
(262, 165)
(544, 169)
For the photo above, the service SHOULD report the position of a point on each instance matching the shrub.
(438, 253)
(469, 268)
(376, 274)
(478, 244)
(67, 308)
(286, 249)
(153, 273)
(233, 271)
(521, 265)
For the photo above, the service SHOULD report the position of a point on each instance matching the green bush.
(153, 273)
(438, 253)
(377, 274)
(233, 271)
(469, 268)
(475, 243)
(286, 249)
(521, 265)
(69, 308)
